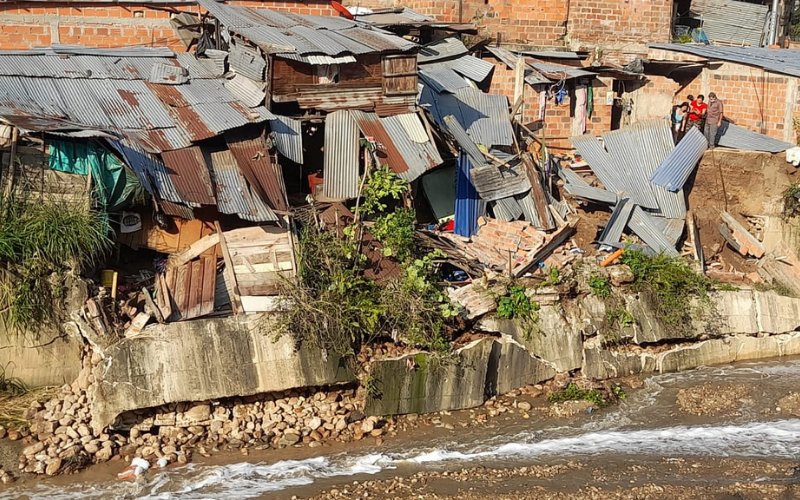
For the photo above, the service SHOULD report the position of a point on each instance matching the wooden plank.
(255, 250)
(254, 304)
(192, 251)
(262, 268)
(181, 292)
(247, 265)
(171, 282)
(209, 286)
(163, 299)
(255, 278)
(277, 241)
(284, 257)
(233, 289)
(195, 288)
(256, 233)
(260, 289)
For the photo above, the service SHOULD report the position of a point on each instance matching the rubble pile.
(61, 438)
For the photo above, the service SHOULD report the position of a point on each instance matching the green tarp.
(116, 184)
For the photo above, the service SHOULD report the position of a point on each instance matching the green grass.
(573, 393)
(600, 286)
(672, 282)
(39, 242)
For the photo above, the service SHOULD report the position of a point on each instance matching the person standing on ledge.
(714, 116)
(697, 113)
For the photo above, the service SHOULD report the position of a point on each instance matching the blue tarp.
(469, 205)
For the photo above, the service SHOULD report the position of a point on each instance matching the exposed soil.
(741, 183)
(712, 399)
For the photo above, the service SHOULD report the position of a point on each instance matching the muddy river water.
(729, 432)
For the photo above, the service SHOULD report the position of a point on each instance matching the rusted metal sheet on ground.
(191, 289)
(386, 150)
(495, 182)
(189, 174)
(253, 158)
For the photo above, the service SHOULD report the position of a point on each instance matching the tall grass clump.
(673, 283)
(39, 242)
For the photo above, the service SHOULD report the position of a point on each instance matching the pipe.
(773, 29)
(460, 11)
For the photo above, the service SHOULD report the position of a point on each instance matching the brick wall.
(36, 24)
(558, 119)
(756, 99)
(620, 28)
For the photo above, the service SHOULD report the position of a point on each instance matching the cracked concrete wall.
(742, 325)
(203, 360)
(49, 356)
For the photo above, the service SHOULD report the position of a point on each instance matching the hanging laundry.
(579, 122)
(590, 102)
(560, 95)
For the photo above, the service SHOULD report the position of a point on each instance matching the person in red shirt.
(697, 112)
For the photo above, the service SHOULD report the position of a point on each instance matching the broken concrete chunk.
(137, 325)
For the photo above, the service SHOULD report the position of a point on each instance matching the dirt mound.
(712, 399)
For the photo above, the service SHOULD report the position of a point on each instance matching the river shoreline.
(670, 437)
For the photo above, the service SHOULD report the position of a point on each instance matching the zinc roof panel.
(252, 155)
(205, 91)
(189, 174)
(319, 39)
(446, 48)
(442, 79)
(341, 156)
(420, 156)
(81, 104)
(288, 137)
(233, 196)
(371, 127)
(200, 68)
(486, 117)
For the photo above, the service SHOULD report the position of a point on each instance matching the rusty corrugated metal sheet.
(253, 158)
(189, 173)
(387, 151)
(192, 124)
(330, 100)
(176, 210)
(233, 194)
(341, 156)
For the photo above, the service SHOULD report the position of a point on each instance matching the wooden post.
(233, 290)
(519, 85)
(10, 182)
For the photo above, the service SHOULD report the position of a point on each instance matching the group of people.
(694, 112)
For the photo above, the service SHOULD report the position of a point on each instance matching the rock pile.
(61, 439)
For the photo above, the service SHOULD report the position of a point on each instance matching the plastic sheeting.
(116, 184)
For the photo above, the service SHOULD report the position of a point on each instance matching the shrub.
(600, 286)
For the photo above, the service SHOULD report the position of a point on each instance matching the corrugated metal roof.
(507, 209)
(529, 210)
(469, 205)
(644, 227)
(168, 74)
(151, 172)
(591, 193)
(672, 229)
(413, 127)
(253, 158)
(655, 141)
(442, 79)
(288, 137)
(740, 23)
(465, 142)
(559, 72)
(247, 61)
(189, 174)
(118, 52)
(386, 149)
(494, 182)
(473, 68)
(341, 156)
(446, 48)
(616, 225)
(735, 137)
(681, 162)
(486, 117)
(317, 60)
(233, 194)
(419, 156)
(213, 67)
(248, 91)
(599, 160)
(278, 33)
(622, 147)
(783, 61)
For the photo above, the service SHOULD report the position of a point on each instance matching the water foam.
(776, 439)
